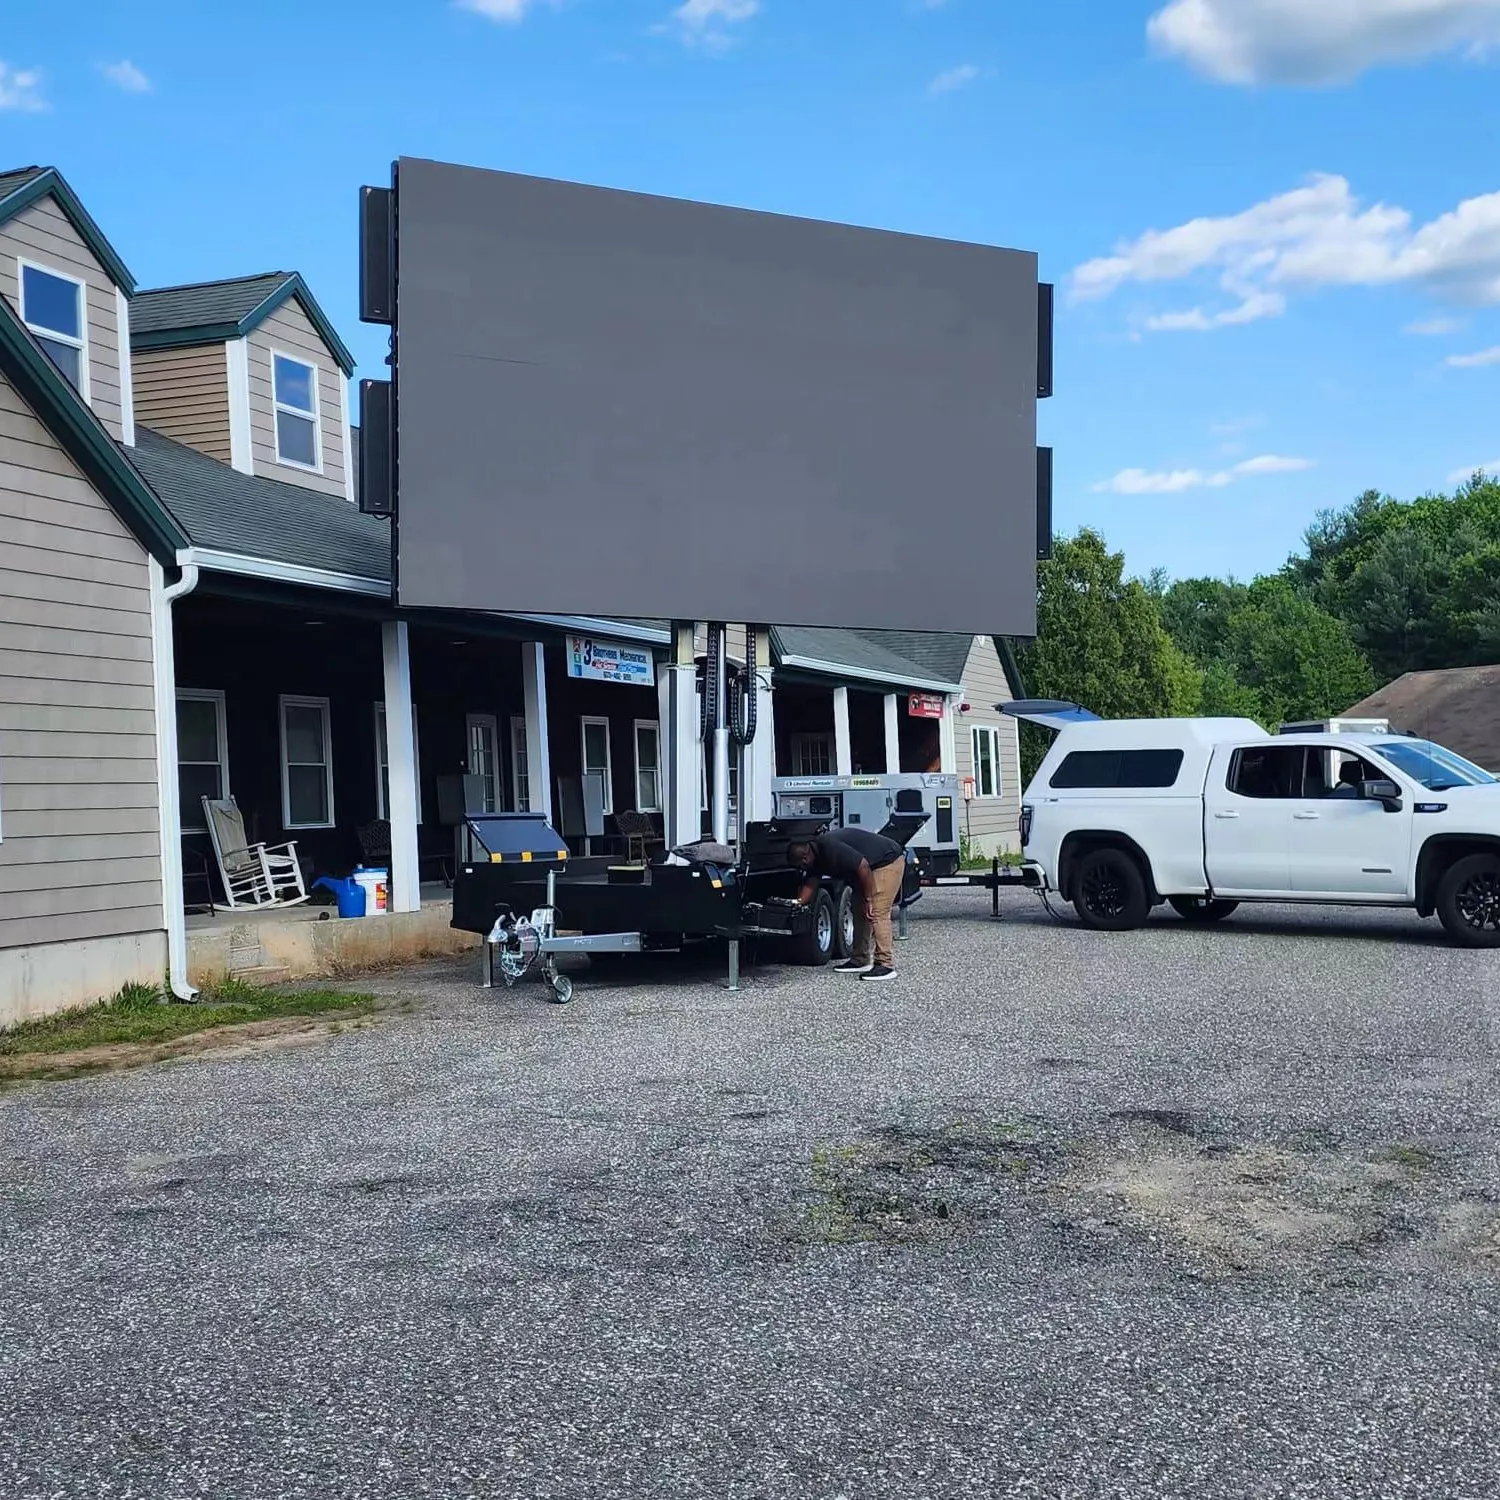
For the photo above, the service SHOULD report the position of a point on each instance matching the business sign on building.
(609, 661)
(924, 706)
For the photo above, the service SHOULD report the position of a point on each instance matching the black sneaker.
(879, 971)
(853, 966)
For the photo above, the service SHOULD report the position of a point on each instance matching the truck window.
(1107, 770)
(1266, 771)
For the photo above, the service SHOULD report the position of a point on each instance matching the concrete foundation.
(49, 977)
(300, 944)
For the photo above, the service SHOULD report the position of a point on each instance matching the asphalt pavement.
(1173, 1213)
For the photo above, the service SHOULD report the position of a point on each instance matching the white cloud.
(1196, 320)
(954, 78)
(704, 23)
(1175, 481)
(124, 74)
(507, 11)
(1433, 327)
(1317, 235)
(1311, 42)
(1464, 475)
(1475, 361)
(21, 89)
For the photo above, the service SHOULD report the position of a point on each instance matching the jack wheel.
(562, 989)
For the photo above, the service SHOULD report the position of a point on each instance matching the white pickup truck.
(1204, 814)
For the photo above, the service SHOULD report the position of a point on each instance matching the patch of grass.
(139, 1014)
(1412, 1158)
(969, 858)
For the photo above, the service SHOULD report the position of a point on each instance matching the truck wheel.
(815, 946)
(1109, 892)
(1200, 910)
(843, 927)
(1468, 901)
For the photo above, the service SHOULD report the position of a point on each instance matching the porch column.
(892, 733)
(843, 754)
(948, 748)
(682, 819)
(401, 755)
(538, 749)
(760, 753)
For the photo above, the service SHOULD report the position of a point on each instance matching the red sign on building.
(924, 706)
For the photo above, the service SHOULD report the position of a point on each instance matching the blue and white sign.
(609, 661)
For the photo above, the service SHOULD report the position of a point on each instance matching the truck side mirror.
(1385, 792)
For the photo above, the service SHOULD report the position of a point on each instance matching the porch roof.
(236, 521)
(862, 656)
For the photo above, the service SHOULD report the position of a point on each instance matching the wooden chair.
(254, 875)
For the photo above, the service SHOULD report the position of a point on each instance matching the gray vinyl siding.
(289, 330)
(42, 234)
(184, 395)
(993, 823)
(80, 845)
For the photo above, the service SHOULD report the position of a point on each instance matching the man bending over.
(872, 866)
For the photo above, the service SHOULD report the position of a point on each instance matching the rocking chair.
(254, 875)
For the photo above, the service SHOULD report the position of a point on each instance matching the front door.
(1342, 844)
(1247, 820)
(484, 757)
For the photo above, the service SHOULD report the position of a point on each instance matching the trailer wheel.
(1201, 910)
(562, 989)
(815, 946)
(1468, 901)
(843, 932)
(1109, 892)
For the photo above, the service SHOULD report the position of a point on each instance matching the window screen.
(1102, 770)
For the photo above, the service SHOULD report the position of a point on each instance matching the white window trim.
(654, 725)
(216, 697)
(992, 731)
(285, 702)
(277, 407)
(609, 765)
(470, 720)
(518, 789)
(81, 344)
(382, 750)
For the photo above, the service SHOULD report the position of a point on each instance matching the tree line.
(1379, 587)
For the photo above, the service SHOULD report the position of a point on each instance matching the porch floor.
(434, 894)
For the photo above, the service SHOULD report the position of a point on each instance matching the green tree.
(1196, 614)
(1295, 659)
(1100, 642)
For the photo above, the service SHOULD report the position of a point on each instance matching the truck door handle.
(1226, 814)
(1306, 817)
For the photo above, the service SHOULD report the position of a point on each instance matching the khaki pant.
(876, 935)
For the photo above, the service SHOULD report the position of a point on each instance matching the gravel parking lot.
(1171, 1213)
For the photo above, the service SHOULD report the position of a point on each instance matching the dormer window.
(52, 308)
(296, 395)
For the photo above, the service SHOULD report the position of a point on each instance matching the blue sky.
(1249, 206)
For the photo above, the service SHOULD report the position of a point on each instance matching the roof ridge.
(191, 286)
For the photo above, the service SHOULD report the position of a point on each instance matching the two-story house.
(192, 605)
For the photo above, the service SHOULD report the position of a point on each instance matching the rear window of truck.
(1106, 770)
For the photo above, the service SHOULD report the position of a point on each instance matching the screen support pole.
(718, 644)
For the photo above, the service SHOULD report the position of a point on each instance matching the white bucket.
(375, 884)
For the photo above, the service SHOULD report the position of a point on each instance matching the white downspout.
(173, 896)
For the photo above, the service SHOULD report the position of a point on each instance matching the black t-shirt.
(839, 852)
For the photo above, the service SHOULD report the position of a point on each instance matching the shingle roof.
(941, 654)
(10, 181)
(222, 509)
(208, 311)
(860, 651)
(202, 304)
(1458, 707)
